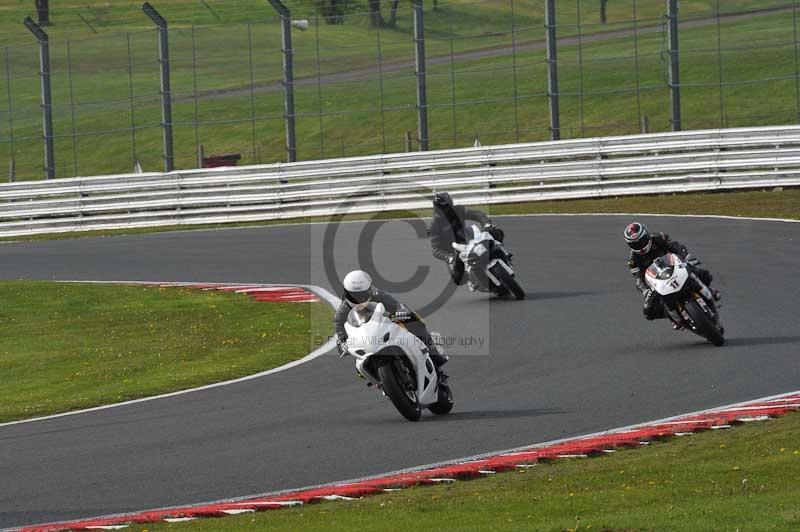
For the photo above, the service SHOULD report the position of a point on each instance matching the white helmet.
(357, 287)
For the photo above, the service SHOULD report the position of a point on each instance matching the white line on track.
(718, 216)
(432, 466)
(482, 456)
(190, 229)
(324, 294)
(333, 300)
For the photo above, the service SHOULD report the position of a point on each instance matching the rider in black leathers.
(399, 312)
(448, 226)
(645, 248)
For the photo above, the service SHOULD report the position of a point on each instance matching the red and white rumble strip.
(259, 292)
(464, 469)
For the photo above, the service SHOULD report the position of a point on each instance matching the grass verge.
(757, 204)
(71, 346)
(742, 479)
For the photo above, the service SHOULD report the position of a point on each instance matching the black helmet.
(442, 199)
(638, 237)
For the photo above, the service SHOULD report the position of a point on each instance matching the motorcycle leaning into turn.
(397, 362)
(687, 301)
(487, 264)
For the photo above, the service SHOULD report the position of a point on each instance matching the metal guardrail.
(582, 168)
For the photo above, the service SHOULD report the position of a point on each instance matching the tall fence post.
(288, 78)
(166, 91)
(552, 69)
(11, 147)
(674, 64)
(419, 68)
(47, 96)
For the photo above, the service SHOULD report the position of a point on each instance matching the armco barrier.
(609, 166)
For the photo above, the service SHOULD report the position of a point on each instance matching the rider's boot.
(439, 360)
(472, 285)
(441, 376)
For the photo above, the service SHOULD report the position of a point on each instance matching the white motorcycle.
(390, 357)
(486, 264)
(687, 301)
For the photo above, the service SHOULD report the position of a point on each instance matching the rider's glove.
(341, 345)
(691, 260)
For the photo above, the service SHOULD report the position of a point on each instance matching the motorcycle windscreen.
(473, 229)
(361, 314)
(662, 268)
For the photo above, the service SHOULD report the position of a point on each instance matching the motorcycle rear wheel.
(395, 391)
(705, 327)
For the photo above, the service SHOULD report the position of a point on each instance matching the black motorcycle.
(688, 302)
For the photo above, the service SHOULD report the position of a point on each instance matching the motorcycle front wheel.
(444, 402)
(391, 383)
(703, 324)
(508, 281)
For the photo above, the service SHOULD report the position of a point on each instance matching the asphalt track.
(574, 357)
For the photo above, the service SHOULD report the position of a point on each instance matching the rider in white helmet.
(358, 288)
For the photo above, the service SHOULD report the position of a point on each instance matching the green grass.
(742, 479)
(71, 346)
(755, 204)
(476, 102)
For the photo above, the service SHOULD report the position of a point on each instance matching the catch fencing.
(724, 159)
(161, 88)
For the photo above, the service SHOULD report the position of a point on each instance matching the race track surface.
(575, 357)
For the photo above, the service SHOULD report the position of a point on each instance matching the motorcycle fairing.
(380, 336)
(474, 250)
(667, 275)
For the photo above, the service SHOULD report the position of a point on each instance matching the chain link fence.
(367, 77)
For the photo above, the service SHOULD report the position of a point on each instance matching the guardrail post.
(552, 69)
(47, 96)
(166, 91)
(288, 78)
(674, 64)
(419, 71)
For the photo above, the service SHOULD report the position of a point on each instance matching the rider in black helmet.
(645, 248)
(448, 226)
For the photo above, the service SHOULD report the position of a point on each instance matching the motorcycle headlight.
(665, 274)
